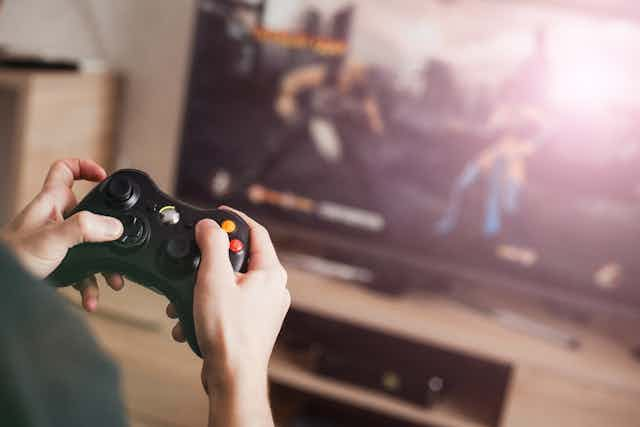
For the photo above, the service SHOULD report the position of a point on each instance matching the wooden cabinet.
(46, 116)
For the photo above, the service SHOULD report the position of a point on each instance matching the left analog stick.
(121, 192)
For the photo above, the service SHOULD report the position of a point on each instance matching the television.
(421, 142)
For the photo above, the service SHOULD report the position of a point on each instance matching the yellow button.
(228, 226)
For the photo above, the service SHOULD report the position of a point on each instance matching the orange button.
(228, 226)
(236, 245)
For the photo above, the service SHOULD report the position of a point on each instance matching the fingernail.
(92, 304)
(114, 227)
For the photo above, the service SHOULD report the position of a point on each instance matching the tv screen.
(482, 139)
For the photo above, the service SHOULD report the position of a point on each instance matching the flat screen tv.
(480, 141)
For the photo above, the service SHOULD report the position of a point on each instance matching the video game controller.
(157, 248)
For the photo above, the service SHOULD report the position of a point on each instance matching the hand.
(40, 236)
(237, 316)
(237, 319)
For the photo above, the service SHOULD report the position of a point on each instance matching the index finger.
(262, 253)
(62, 175)
(65, 172)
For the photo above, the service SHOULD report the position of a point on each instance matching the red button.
(236, 245)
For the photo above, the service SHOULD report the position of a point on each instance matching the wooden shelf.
(451, 325)
(595, 385)
(285, 372)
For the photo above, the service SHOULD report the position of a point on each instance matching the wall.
(147, 41)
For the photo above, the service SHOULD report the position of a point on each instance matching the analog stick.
(121, 192)
(178, 249)
(180, 252)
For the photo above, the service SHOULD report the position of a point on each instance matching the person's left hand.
(40, 236)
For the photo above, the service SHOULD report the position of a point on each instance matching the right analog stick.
(178, 250)
(181, 253)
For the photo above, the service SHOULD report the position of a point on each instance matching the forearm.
(240, 401)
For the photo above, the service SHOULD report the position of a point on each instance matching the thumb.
(215, 274)
(85, 227)
(214, 247)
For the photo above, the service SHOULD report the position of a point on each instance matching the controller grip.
(78, 264)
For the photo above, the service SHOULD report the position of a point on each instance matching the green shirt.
(52, 372)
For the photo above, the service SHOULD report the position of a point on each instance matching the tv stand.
(596, 384)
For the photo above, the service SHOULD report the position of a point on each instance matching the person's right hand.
(237, 316)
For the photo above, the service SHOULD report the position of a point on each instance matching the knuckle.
(262, 231)
(282, 274)
(58, 164)
(84, 221)
(219, 237)
(286, 299)
(260, 276)
(45, 197)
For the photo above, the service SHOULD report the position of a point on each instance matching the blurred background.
(452, 186)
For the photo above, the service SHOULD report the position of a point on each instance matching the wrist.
(239, 397)
(226, 380)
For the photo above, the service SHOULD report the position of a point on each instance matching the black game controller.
(157, 248)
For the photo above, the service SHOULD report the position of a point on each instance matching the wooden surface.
(541, 397)
(57, 115)
(596, 385)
